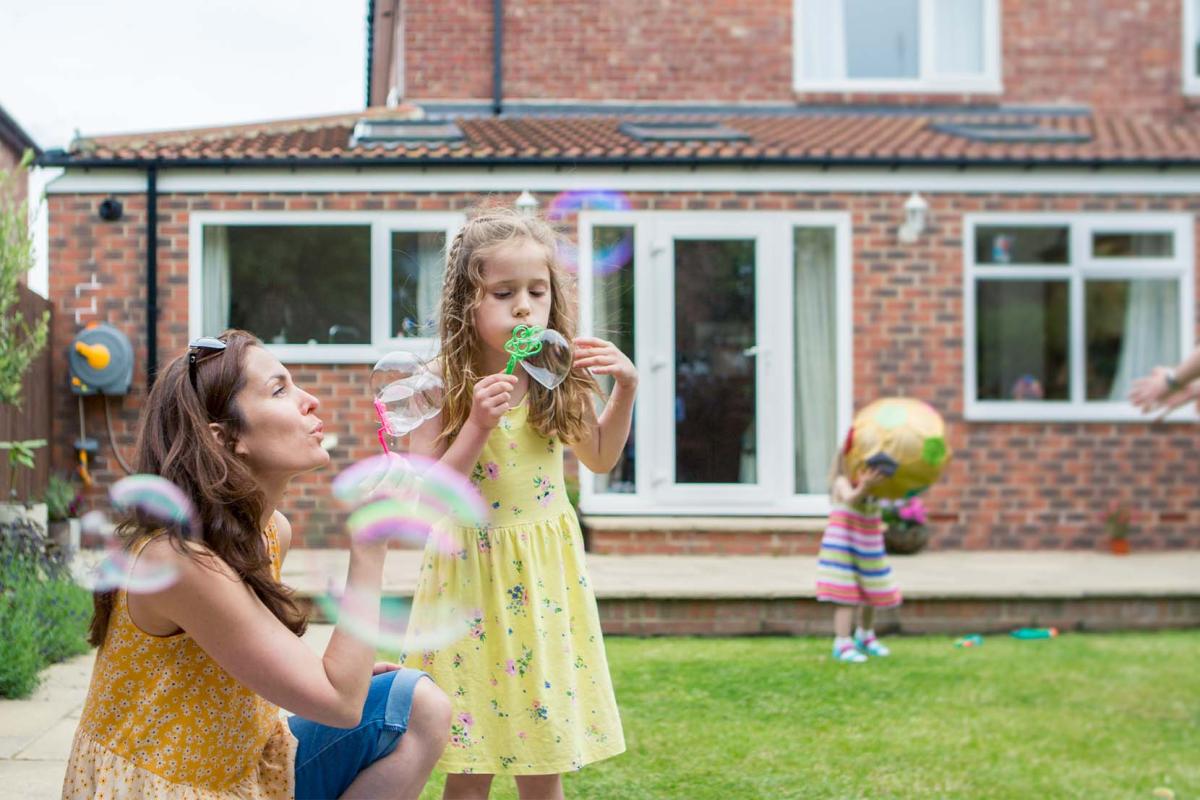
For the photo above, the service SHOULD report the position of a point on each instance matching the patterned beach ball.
(909, 432)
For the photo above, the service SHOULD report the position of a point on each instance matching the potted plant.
(62, 507)
(21, 340)
(1118, 521)
(905, 525)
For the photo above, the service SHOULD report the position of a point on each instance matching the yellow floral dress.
(163, 720)
(529, 682)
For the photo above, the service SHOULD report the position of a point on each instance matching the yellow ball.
(911, 433)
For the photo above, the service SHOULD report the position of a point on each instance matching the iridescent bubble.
(609, 253)
(407, 499)
(551, 364)
(156, 503)
(406, 392)
(436, 625)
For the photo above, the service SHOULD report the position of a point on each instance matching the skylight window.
(1017, 132)
(682, 132)
(405, 132)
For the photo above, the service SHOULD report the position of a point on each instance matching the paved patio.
(35, 734)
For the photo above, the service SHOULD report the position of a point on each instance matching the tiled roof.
(825, 137)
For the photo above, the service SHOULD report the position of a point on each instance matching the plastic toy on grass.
(905, 439)
(970, 640)
(1035, 633)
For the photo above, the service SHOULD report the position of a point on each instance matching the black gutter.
(370, 48)
(56, 158)
(497, 57)
(11, 132)
(151, 275)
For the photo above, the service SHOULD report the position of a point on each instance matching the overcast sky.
(112, 66)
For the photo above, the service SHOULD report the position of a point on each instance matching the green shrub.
(20, 656)
(43, 613)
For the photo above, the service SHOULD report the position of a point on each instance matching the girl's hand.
(869, 478)
(491, 400)
(865, 480)
(605, 358)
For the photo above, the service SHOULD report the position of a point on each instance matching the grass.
(1088, 716)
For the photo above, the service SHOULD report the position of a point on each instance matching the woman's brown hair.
(176, 443)
(560, 412)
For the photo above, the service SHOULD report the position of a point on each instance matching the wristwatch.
(1173, 384)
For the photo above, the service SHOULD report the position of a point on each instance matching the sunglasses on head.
(200, 349)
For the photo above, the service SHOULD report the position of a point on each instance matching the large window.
(1064, 313)
(323, 287)
(897, 45)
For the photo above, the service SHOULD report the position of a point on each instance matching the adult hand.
(385, 666)
(1149, 392)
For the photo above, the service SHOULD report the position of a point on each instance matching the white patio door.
(712, 361)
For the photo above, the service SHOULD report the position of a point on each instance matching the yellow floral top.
(163, 720)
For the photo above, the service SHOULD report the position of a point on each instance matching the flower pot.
(66, 535)
(1119, 547)
(34, 512)
(905, 540)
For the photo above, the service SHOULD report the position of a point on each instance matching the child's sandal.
(849, 654)
(873, 647)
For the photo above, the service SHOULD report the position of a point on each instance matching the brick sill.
(608, 522)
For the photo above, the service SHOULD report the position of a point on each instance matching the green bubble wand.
(526, 341)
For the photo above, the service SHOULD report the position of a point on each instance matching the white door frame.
(654, 355)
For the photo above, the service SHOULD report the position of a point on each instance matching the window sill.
(899, 87)
(1054, 412)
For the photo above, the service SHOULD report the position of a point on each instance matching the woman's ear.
(222, 437)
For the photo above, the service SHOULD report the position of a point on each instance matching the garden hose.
(112, 439)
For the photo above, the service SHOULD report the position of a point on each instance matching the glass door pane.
(716, 387)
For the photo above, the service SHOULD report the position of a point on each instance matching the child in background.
(852, 567)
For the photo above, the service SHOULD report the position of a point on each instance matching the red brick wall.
(1010, 485)
(1111, 54)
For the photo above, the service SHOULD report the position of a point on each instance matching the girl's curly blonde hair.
(561, 412)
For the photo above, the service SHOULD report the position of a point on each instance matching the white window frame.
(989, 82)
(1191, 81)
(1082, 266)
(381, 225)
(776, 463)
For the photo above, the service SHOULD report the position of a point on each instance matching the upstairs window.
(897, 45)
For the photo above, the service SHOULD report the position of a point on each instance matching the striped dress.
(852, 568)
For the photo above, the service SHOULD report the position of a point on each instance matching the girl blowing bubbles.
(530, 684)
(852, 568)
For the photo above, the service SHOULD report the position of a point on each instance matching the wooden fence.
(32, 419)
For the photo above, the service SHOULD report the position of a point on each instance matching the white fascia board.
(766, 178)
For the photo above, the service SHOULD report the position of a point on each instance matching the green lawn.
(1088, 716)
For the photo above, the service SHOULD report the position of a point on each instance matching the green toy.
(525, 342)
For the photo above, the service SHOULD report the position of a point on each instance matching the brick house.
(735, 178)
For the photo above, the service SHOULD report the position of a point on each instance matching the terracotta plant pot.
(1119, 547)
(905, 541)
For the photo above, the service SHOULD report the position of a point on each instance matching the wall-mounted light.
(527, 204)
(916, 215)
(110, 209)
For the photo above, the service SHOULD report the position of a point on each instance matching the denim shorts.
(329, 759)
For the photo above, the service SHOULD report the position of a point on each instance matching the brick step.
(950, 616)
(704, 536)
